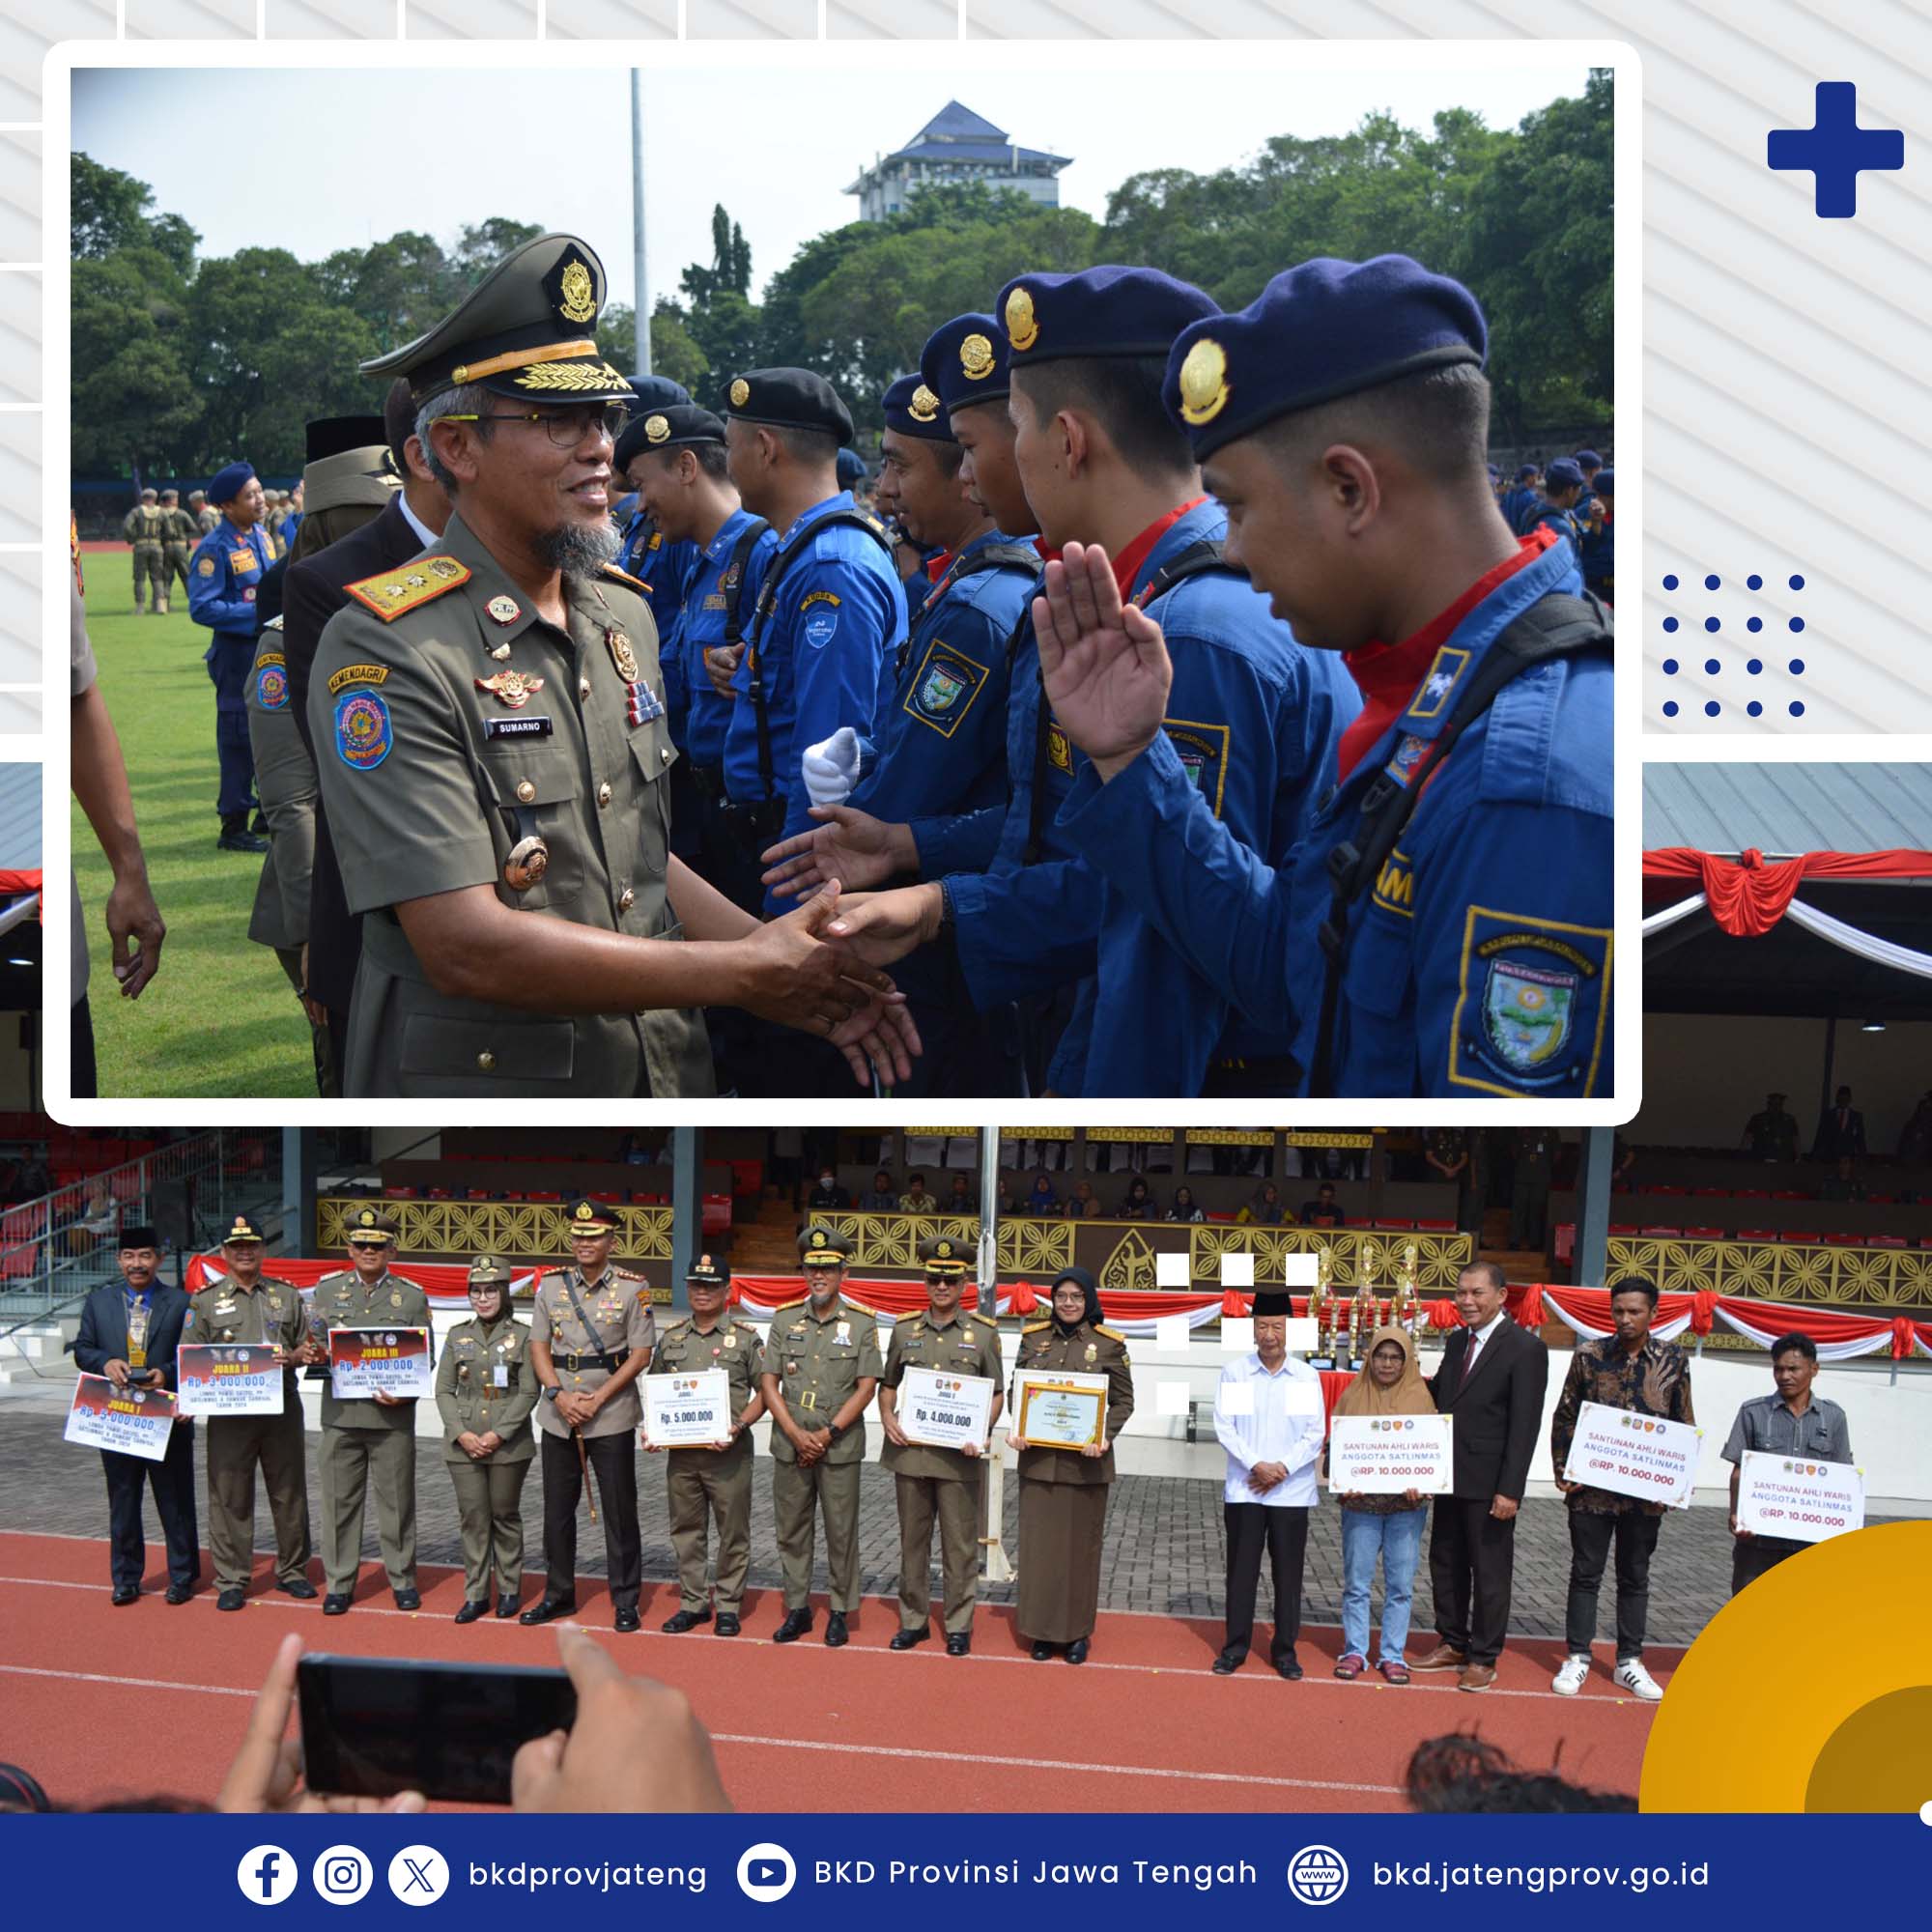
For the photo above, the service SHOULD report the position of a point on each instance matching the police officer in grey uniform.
(247, 1305)
(820, 1366)
(591, 1340)
(373, 1437)
(714, 1483)
(484, 1392)
(491, 741)
(933, 1481)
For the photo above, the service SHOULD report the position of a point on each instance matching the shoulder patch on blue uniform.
(820, 627)
(1532, 1005)
(206, 566)
(1432, 696)
(363, 733)
(812, 597)
(1202, 751)
(1059, 747)
(944, 687)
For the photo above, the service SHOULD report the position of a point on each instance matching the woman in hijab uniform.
(1064, 1491)
(1389, 1383)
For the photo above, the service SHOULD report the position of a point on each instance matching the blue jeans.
(1398, 1540)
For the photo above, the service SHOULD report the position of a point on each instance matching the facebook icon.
(266, 1875)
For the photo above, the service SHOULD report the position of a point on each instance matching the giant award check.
(687, 1411)
(1389, 1455)
(130, 1421)
(1058, 1409)
(1801, 1501)
(945, 1411)
(228, 1379)
(1633, 1455)
(363, 1362)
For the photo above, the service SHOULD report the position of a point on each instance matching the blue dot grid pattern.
(1714, 623)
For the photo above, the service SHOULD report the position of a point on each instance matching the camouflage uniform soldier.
(144, 526)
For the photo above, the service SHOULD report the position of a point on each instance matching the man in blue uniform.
(1255, 714)
(1600, 543)
(829, 621)
(660, 563)
(1555, 509)
(223, 576)
(1525, 491)
(1444, 928)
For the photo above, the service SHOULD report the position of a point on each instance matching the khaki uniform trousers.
(236, 1445)
(350, 1458)
(833, 1488)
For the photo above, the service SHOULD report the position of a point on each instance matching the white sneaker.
(1570, 1679)
(1638, 1682)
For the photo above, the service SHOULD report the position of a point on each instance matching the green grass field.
(220, 1018)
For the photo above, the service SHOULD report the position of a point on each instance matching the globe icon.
(1318, 1875)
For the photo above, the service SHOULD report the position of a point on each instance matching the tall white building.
(956, 145)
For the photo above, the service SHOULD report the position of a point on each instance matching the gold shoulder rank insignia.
(784, 1305)
(983, 1321)
(625, 577)
(1033, 1327)
(391, 592)
(911, 1321)
(1112, 1334)
(861, 1306)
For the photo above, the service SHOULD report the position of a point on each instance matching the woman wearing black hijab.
(1064, 1491)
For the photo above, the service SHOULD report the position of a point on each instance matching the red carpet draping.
(1748, 896)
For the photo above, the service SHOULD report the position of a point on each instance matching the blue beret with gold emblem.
(225, 485)
(1101, 312)
(912, 409)
(964, 361)
(1324, 329)
(667, 428)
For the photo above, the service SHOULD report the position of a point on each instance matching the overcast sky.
(394, 151)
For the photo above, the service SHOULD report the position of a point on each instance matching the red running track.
(1143, 1727)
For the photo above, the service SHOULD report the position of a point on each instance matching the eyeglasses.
(567, 427)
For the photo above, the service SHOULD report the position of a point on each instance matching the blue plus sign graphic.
(1836, 150)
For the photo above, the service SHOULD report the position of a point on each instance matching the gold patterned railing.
(514, 1230)
(892, 1240)
(1898, 1278)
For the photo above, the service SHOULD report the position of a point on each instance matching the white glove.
(832, 767)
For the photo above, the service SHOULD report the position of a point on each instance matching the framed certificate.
(1390, 1455)
(1798, 1501)
(1060, 1408)
(130, 1421)
(690, 1412)
(394, 1361)
(944, 1411)
(228, 1379)
(1633, 1455)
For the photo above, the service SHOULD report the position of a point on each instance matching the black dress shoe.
(549, 1609)
(627, 1619)
(126, 1594)
(1292, 1670)
(1042, 1652)
(1076, 1651)
(728, 1624)
(179, 1593)
(471, 1610)
(237, 838)
(1228, 1662)
(904, 1639)
(685, 1620)
(835, 1632)
(335, 1603)
(959, 1644)
(794, 1627)
(409, 1599)
(230, 1600)
(301, 1587)
(508, 1607)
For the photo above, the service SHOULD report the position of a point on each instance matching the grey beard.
(579, 550)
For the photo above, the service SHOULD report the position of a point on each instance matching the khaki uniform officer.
(713, 1483)
(1064, 1491)
(820, 1367)
(937, 1482)
(590, 1341)
(248, 1306)
(484, 1392)
(364, 1438)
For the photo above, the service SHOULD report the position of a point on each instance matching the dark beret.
(1525, 471)
(913, 409)
(666, 428)
(964, 361)
(1590, 457)
(851, 468)
(789, 399)
(1605, 484)
(1324, 329)
(1099, 312)
(1562, 474)
(658, 392)
(225, 485)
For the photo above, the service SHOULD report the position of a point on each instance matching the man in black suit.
(1841, 1131)
(313, 592)
(1492, 1381)
(130, 1330)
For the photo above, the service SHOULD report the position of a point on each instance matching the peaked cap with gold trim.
(526, 330)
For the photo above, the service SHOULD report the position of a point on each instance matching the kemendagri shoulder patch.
(393, 591)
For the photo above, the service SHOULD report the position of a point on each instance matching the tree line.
(185, 361)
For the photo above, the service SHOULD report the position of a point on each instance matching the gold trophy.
(1322, 1307)
(1407, 1305)
(1365, 1310)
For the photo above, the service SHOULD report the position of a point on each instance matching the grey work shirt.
(1766, 1424)
(451, 727)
